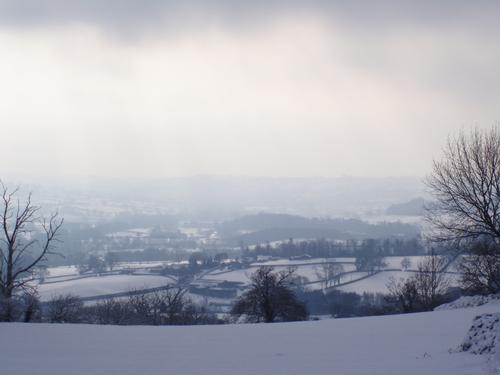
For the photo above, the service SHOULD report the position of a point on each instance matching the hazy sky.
(156, 88)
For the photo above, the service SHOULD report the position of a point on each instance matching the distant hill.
(415, 207)
(259, 228)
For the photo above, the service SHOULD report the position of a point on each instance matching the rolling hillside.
(412, 344)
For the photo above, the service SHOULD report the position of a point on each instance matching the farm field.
(101, 285)
(64, 280)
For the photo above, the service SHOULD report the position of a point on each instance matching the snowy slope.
(412, 344)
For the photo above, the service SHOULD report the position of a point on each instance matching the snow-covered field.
(147, 264)
(359, 283)
(288, 262)
(395, 262)
(309, 268)
(101, 285)
(377, 283)
(412, 344)
(391, 262)
(62, 271)
(374, 284)
(241, 276)
(309, 271)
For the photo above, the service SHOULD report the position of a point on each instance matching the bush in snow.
(64, 309)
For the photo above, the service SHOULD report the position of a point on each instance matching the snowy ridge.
(468, 301)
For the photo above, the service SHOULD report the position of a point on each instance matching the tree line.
(324, 248)
(163, 307)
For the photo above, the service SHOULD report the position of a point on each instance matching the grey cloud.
(136, 15)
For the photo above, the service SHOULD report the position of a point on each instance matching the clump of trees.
(369, 258)
(92, 263)
(348, 304)
(163, 307)
(341, 304)
(270, 298)
(98, 264)
(330, 273)
(405, 264)
(466, 212)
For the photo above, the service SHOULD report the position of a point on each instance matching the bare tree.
(425, 289)
(406, 263)
(20, 248)
(431, 279)
(111, 311)
(93, 263)
(466, 188)
(405, 292)
(270, 298)
(111, 259)
(480, 269)
(172, 304)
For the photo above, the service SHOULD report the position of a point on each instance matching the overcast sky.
(154, 88)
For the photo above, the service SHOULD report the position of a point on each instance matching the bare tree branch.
(466, 187)
(20, 252)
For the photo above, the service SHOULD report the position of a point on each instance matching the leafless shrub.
(425, 289)
(480, 270)
(65, 309)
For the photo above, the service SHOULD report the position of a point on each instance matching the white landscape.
(66, 280)
(249, 187)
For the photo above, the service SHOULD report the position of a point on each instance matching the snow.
(376, 283)
(395, 262)
(392, 262)
(483, 335)
(411, 344)
(310, 271)
(288, 262)
(242, 276)
(101, 285)
(148, 264)
(469, 301)
(62, 271)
